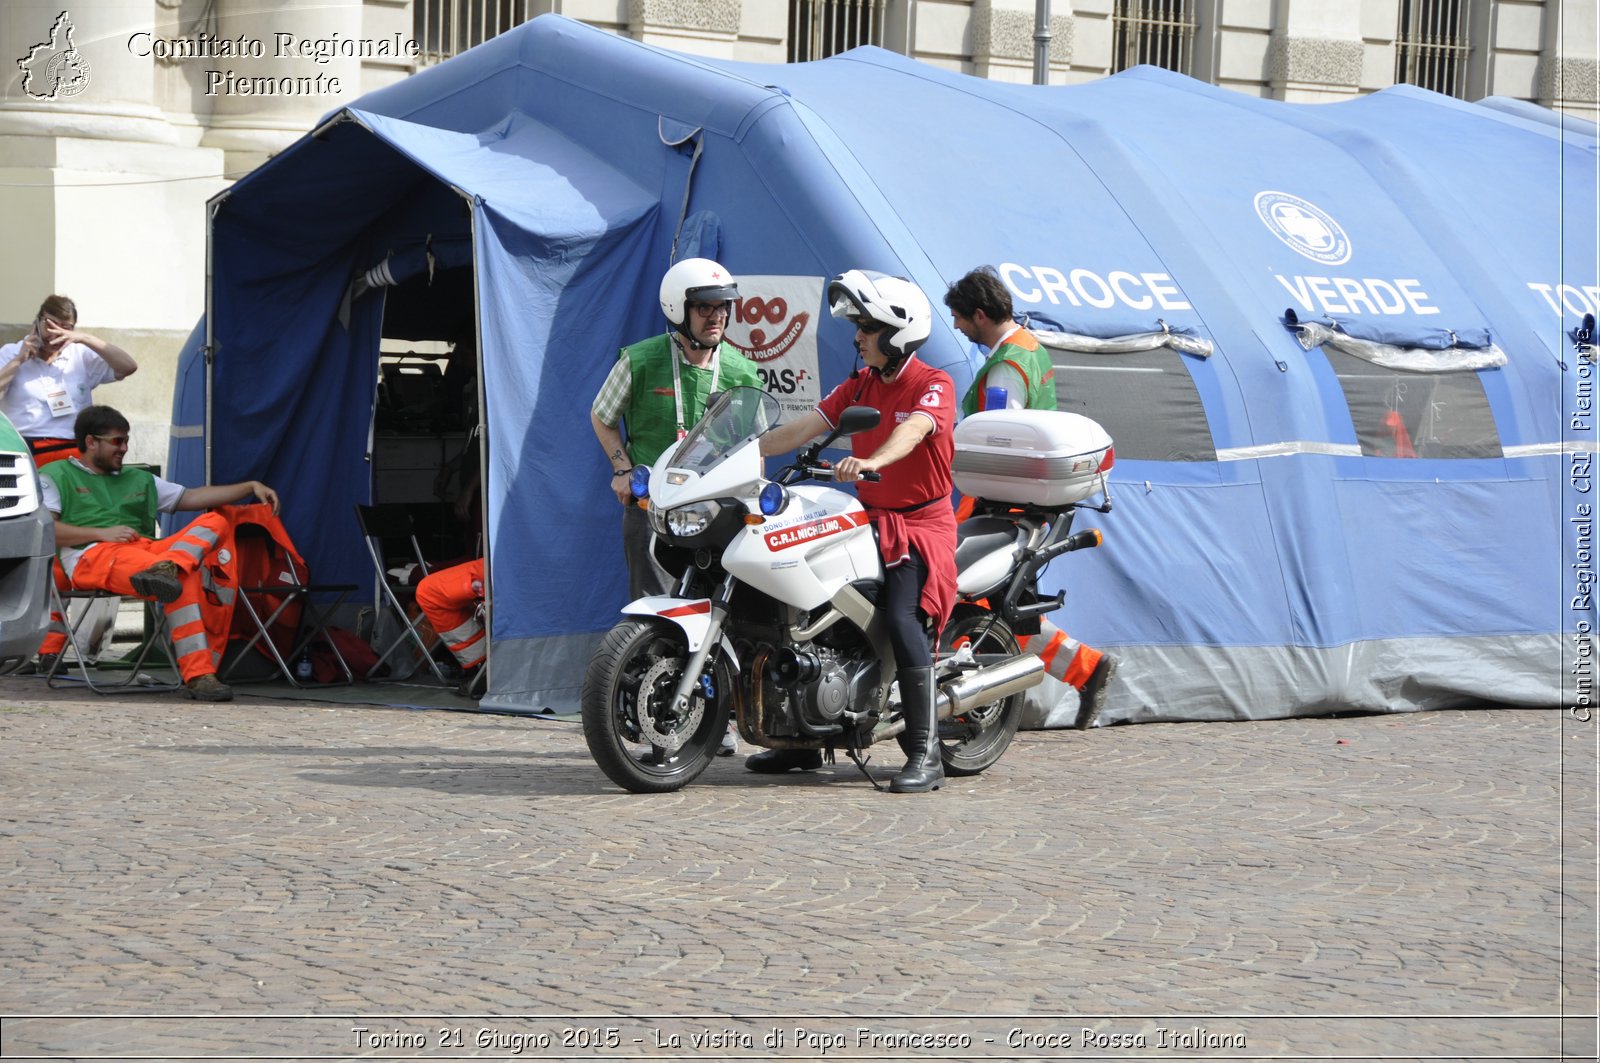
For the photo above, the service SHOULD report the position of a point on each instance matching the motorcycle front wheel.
(634, 734)
(974, 740)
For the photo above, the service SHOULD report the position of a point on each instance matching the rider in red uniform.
(912, 448)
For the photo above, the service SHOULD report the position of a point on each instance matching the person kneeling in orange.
(105, 518)
(451, 599)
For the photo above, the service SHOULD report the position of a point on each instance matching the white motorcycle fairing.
(806, 552)
(693, 615)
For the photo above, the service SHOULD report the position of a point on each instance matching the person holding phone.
(49, 376)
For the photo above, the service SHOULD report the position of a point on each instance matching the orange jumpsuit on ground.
(450, 598)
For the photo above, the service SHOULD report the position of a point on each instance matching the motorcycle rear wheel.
(974, 740)
(628, 722)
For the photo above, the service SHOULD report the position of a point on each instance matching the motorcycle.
(773, 621)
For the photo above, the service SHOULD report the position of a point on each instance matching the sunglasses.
(116, 441)
(868, 326)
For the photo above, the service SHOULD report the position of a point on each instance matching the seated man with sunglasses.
(105, 524)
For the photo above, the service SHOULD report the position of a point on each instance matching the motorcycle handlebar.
(826, 472)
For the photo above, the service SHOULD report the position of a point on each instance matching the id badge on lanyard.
(56, 397)
(677, 387)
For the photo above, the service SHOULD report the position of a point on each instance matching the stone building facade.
(119, 119)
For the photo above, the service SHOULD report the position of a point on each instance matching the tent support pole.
(209, 351)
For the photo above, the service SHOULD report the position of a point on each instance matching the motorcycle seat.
(983, 538)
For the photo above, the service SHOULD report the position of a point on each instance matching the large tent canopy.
(1348, 480)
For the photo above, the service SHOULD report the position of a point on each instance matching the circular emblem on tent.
(1304, 226)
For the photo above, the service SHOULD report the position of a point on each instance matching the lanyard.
(677, 382)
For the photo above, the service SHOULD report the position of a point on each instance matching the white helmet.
(694, 280)
(893, 302)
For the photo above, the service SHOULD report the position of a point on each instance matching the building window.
(1431, 45)
(820, 28)
(1157, 32)
(444, 28)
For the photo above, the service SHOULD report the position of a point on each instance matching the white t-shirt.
(168, 495)
(45, 397)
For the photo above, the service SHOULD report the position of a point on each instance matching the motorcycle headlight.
(658, 520)
(686, 521)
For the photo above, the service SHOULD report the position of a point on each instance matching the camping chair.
(387, 529)
(156, 634)
(266, 604)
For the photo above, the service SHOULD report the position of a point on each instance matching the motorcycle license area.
(1348, 386)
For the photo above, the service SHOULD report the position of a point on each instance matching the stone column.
(71, 73)
(700, 27)
(1316, 51)
(1569, 73)
(250, 124)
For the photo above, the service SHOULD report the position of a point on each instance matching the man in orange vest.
(981, 310)
(105, 523)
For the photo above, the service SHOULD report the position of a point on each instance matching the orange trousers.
(450, 598)
(108, 566)
(1064, 657)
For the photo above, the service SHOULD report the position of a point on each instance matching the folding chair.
(290, 588)
(156, 633)
(386, 528)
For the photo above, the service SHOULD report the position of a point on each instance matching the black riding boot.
(924, 769)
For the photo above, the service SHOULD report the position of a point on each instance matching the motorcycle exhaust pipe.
(991, 684)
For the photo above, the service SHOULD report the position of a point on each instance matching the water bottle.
(995, 398)
(302, 667)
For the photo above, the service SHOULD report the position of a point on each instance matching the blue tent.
(1367, 495)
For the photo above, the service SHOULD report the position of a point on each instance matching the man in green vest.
(658, 390)
(105, 538)
(980, 308)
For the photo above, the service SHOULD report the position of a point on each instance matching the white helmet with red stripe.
(694, 280)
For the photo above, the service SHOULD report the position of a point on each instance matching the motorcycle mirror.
(857, 419)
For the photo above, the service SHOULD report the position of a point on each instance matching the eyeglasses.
(709, 309)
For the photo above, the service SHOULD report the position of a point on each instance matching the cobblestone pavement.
(314, 882)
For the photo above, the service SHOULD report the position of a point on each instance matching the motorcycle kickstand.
(855, 755)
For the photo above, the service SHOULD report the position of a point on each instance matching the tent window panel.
(1416, 415)
(1146, 400)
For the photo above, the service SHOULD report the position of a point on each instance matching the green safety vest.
(652, 415)
(1021, 349)
(90, 500)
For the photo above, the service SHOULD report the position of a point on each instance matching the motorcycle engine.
(822, 682)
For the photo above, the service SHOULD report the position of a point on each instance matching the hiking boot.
(1092, 698)
(162, 581)
(778, 761)
(730, 743)
(472, 683)
(208, 688)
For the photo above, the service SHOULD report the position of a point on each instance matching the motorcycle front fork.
(697, 659)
